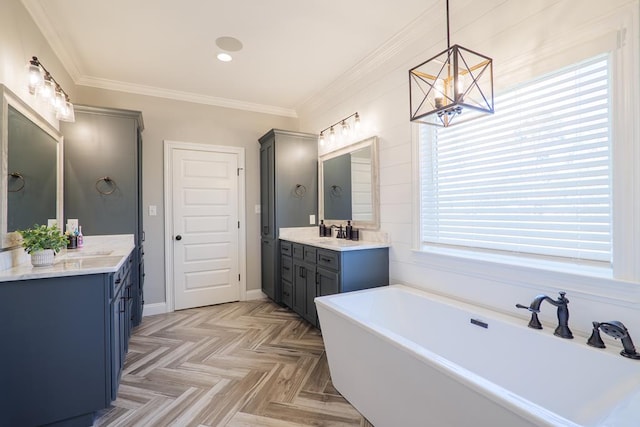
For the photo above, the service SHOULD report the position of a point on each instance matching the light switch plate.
(153, 210)
(312, 219)
(52, 222)
(257, 209)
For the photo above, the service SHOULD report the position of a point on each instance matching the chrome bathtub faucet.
(562, 330)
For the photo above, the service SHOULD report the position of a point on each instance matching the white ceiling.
(292, 48)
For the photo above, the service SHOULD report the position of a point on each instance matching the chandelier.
(454, 86)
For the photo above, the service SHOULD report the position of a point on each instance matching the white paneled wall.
(525, 39)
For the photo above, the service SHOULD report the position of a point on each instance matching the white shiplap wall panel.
(525, 39)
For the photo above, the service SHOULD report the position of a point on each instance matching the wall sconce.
(454, 86)
(345, 128)
(42, 84)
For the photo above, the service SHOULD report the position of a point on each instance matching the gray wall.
(182, 121)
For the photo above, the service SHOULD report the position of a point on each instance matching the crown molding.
(43, 22)
(185, 96)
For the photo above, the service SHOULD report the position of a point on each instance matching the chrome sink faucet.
(562, 330)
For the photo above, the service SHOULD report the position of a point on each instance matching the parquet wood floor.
(244, 364)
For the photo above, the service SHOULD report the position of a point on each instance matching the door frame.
(169, 147)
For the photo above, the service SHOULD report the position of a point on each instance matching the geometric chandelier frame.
(454, 86)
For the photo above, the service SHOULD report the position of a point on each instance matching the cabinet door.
(268, 254)
(267, 189)
(328, 282)
(116, 354)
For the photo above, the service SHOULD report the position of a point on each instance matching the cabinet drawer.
(285, 248)
(298, 251)
(287, 268)
(310, 254)
(329, 259)
(287, 293)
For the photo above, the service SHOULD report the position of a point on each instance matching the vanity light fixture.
(452, 87)
(42, 84)
(344, 126)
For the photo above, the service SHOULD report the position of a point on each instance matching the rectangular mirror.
(31, 186)
(349, 185)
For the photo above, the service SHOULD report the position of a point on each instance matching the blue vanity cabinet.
(63, 343)
(319, 271)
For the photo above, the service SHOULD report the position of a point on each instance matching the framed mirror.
(31, 169)
(348, 190)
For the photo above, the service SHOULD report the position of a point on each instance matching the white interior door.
(205, 224)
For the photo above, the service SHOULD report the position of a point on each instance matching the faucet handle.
(526, 307)
(534, 323)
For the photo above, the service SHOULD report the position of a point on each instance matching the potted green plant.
(42, 243)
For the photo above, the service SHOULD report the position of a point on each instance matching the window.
(534, 178)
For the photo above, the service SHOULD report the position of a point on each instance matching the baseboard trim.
(254, 294)
(161, 307)
(157, 308)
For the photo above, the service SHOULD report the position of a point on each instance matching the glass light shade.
(321, 138)
(47, 90)
(34, 77)
(345, 128)
(66, 113)
(452, 87)
(356, 123)
(59, 100)
(332, 134)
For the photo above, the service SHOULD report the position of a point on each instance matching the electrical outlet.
(312, 219)
(153, 210)
(257, 209)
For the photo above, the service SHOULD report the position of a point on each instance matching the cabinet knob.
(178, 237)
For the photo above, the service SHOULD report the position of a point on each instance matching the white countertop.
(100, 254)
(309, 236)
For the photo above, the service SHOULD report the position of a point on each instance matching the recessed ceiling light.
(224, 57)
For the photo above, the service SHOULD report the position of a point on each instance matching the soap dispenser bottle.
(80, 237)
(348, 231)
(322, 232)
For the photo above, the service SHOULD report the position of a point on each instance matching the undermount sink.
(87, 254)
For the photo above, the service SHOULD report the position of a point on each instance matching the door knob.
(178, 237)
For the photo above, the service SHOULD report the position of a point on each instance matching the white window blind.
(533, 178)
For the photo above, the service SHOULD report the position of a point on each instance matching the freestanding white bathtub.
(407, 358)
